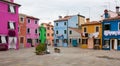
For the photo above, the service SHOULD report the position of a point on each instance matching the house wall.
(7, 16)
(91, 29)
(22, 30)
(113, 27)
(32, 35)
(61, 27)
(73, 21)
(74, 35)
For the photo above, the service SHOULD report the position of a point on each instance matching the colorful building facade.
(111, 33)
(42, 32)
(32, 33)
(22, 30)
(49, 33)
(74, 37)
(92, 35)
(9, 24)
(61, 28)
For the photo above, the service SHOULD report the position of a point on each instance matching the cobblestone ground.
(67, 57)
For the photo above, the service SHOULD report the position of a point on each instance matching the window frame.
(29, 20)
(5, 37)
(96, 28)
(11, 8)
(13, 25)
(28, 31)
(70, 32)
(109, 27)
(36, 21)
(65, 23)
(84, 29)
(65, 31)
(56, 24)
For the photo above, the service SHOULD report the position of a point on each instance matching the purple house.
(8, 24)
(32, 33)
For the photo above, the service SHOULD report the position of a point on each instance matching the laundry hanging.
(3, 39)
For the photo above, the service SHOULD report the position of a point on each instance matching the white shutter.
(3, 39)
(12, 9)
(11, 25)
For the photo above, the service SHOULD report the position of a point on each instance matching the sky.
(49, 10)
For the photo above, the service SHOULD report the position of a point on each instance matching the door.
(114, 44)
(74, 43)
(21, 42)
(12, 42)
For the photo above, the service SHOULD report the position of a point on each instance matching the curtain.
(11, 25)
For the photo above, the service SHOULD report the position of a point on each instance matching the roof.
(29, 16)
(32, 17)
(113, 18)
(47, 24)
(91, 23)
(10, 2)
(63, 19)
(76, 29)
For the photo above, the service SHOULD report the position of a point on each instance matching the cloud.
(48, 10)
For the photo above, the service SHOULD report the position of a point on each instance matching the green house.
(42, 31)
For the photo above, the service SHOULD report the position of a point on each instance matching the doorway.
(113, 44)
(21, 42)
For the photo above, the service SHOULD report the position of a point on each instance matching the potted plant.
(40, 49)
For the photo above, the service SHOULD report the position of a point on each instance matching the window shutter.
(8, 8)
(8, 25)
(12, 9)
(0, 40)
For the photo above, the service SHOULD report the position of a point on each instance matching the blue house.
(111, 33)
(61, 26)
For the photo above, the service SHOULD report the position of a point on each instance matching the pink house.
(32, 33)
(8, 24)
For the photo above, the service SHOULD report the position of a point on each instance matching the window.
(48, 28)
(29, 40)
(70, 40)
(36, 31)
(48, 34)
(11, 25)
(57, 40)
(36, 40)
(3, 39)
(97, 29)
(65, 40)
(119, 42)
(64, 23)
(22, 19)
(85, 30)
(28, 20)
(79, 40)
(96, 41)
(11, 8)
(84, 41)
(106, 44)
(119, 26)
(64, 31)
(28, 30)
(36, 22)
(52, 34)
(70, 32)
(57, 32)
(107, 27)
(56, 24)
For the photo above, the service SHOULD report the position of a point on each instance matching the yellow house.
(91, 35)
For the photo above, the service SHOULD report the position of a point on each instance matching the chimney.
(106, 13)
(60, 17)
(117, 9)
(87, 20)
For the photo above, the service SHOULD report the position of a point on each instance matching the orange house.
(92, 35)
(49, 33)
(22, 30)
